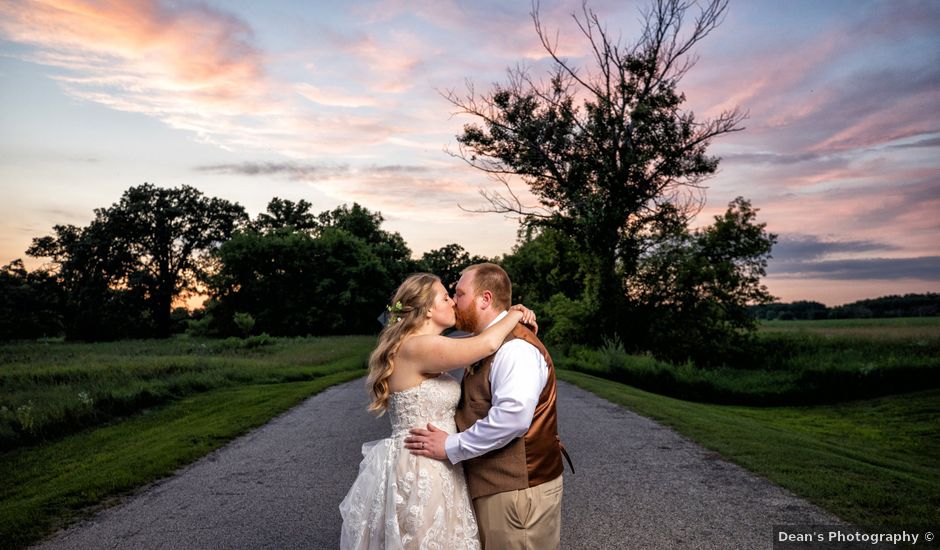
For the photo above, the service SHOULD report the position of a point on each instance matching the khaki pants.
(522, 519)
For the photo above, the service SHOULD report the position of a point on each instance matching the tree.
(543, 264)
(547, 269)
(391, 248)
(143, 251)
(294, 284)
(30, 303)
(283, 213)
(93, 272)
(625, 160)
(692, 290)
(447, 262)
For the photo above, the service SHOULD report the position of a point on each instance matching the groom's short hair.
(491, 277)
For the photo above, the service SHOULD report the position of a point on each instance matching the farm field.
(891, 328)
(87, 423)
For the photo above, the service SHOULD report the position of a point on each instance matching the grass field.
(789, 363)
(870, 462)
(52, 389)
(81, 424)
(892, 328)
(178, 400)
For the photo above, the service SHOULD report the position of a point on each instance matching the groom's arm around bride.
(508, 440)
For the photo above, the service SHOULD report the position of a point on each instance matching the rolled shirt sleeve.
(517, 377)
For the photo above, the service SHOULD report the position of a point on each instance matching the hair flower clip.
(395, 313)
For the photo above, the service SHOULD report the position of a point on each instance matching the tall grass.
(52, 389)
(809, 365)
(46, 487)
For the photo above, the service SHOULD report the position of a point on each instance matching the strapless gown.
(403, 501)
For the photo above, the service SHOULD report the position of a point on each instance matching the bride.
(400, 500)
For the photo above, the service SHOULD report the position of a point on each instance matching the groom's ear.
(487, 299)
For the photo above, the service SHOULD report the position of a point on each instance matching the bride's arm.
(435, 353)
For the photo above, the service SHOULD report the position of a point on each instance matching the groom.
(508, 438)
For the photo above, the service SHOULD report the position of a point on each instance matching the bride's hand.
(528, 316)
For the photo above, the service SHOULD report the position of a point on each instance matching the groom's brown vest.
(526, 461)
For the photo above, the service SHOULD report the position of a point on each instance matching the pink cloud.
(823, 94)
(904, 216)
(334, 97)
(193, 67)
(197, 50)
(910, 117)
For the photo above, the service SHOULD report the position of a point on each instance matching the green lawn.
(871, 462)
(49, 483)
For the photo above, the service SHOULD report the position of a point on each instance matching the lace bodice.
(402, 501)
(432, 401)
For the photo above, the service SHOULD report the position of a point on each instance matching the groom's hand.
(429, 442)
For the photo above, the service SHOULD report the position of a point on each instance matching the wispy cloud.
(291, 170)
(144, 56)
(925, 268)
(334, 97)
(929, 142)
(832, 90)
(799, 248)
(419, 192)
(307, 171)
(192, 66)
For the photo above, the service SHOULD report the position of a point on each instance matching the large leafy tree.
(447, 262)
(543, 264)
(617, 166)
(150, 247)
(366, 225)
(283, 213)
(607, 150)
(692, 288)
(30, 303)
(295, 284)
(297, 273)
(94, 273)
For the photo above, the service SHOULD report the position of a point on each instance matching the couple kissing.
(474, 463)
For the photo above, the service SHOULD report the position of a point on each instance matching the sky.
(342, 102)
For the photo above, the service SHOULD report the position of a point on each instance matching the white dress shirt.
(517, 377)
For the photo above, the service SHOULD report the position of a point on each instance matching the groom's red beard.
(466, 320)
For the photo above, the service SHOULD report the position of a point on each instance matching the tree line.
(290, 271)
(908, 305)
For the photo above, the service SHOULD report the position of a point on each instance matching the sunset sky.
(339, 102)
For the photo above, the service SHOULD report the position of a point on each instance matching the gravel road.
(638, 485)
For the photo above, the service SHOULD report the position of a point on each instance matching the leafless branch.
(501, 204)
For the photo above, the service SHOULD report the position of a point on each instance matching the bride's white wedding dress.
(400, 500)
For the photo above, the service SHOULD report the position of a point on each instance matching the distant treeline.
(291, 272)
(908, 305)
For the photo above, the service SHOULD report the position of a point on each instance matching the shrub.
(245, 322)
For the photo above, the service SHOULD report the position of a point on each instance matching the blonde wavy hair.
(416, 296)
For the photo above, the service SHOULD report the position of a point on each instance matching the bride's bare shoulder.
(416, 344)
